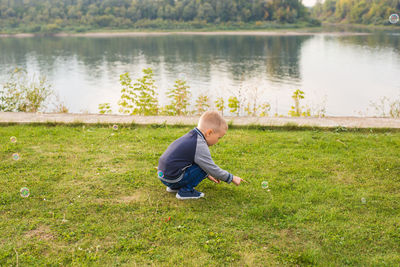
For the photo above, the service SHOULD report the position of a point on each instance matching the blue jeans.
(191, 178)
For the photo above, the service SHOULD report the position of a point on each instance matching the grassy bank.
(95, 199)
(162, 26)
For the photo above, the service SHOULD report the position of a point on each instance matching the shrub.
(234, 105)
(139, 98)
(105, 108)
(20, 93)
(202, 104)
(180, 96)
(296, 110)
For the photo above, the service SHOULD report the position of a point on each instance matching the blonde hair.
(212, 120)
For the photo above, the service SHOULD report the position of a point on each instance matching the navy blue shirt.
(183, 153)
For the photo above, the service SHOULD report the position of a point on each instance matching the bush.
(20, 93)
(180, 97)
(139, 98)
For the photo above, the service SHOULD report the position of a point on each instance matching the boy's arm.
(204, 160)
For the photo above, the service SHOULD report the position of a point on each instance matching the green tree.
(180, 96)
(296, 110)
(234, 105)
(139, 98)
(202, 104)
(220, 104)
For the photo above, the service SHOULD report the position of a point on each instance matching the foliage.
(105, 108)
(53, 16)
(296, 110)
(59, 106)
(180, 96)
(234, 105)
(265, 108)
(387, 107)
(202, 104)
(220, 104)
(361, 12)
(139, 98)
(21, 93)
(253, 108)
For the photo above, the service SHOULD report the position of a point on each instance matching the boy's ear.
(209, 131)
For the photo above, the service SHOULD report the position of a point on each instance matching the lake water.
(343, 74)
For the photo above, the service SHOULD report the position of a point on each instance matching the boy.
(187, 161)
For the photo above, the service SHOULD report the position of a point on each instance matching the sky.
(309, 2)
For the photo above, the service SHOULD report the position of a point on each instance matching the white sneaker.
(193, 194)
(170, 190)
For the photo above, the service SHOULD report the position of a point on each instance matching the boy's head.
(213, 126)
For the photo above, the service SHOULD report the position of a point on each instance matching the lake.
(342, 74)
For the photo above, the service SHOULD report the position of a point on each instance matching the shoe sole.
(183, 198)
(169, 190)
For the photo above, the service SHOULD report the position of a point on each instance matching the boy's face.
(212, 137)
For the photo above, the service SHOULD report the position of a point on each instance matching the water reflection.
(85, 71)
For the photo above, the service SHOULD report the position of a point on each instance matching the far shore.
(206, 33)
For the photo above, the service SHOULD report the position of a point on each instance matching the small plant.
(139, 98)
(252, 107)
(59, 106)
(202, 104)
(249, 110)
(387, 108)
(180, 96)
(296, 110)
(105, 108)
(395, 109)
(319, 110)
(220, 104)
(265, 108)
(234, 105)
(21, 93)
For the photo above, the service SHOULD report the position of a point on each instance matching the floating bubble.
(13, 139)
(24, 192)
(264, 184)
(394, 18)
(115, 127)
(363, 200)
(15, 156)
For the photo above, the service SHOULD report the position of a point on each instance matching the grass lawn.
(95, 199)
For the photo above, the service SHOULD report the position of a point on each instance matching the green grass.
(104, 183)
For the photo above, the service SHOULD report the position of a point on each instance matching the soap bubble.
(15, 156)
(264, 184)
(363, 200)
(115, 127)
(394, 18)
(24, 192)
(13, 139)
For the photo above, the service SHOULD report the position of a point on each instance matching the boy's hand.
(237, 180)
(213, 179)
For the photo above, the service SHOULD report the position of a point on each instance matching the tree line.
(356, 11)
(55, 15)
